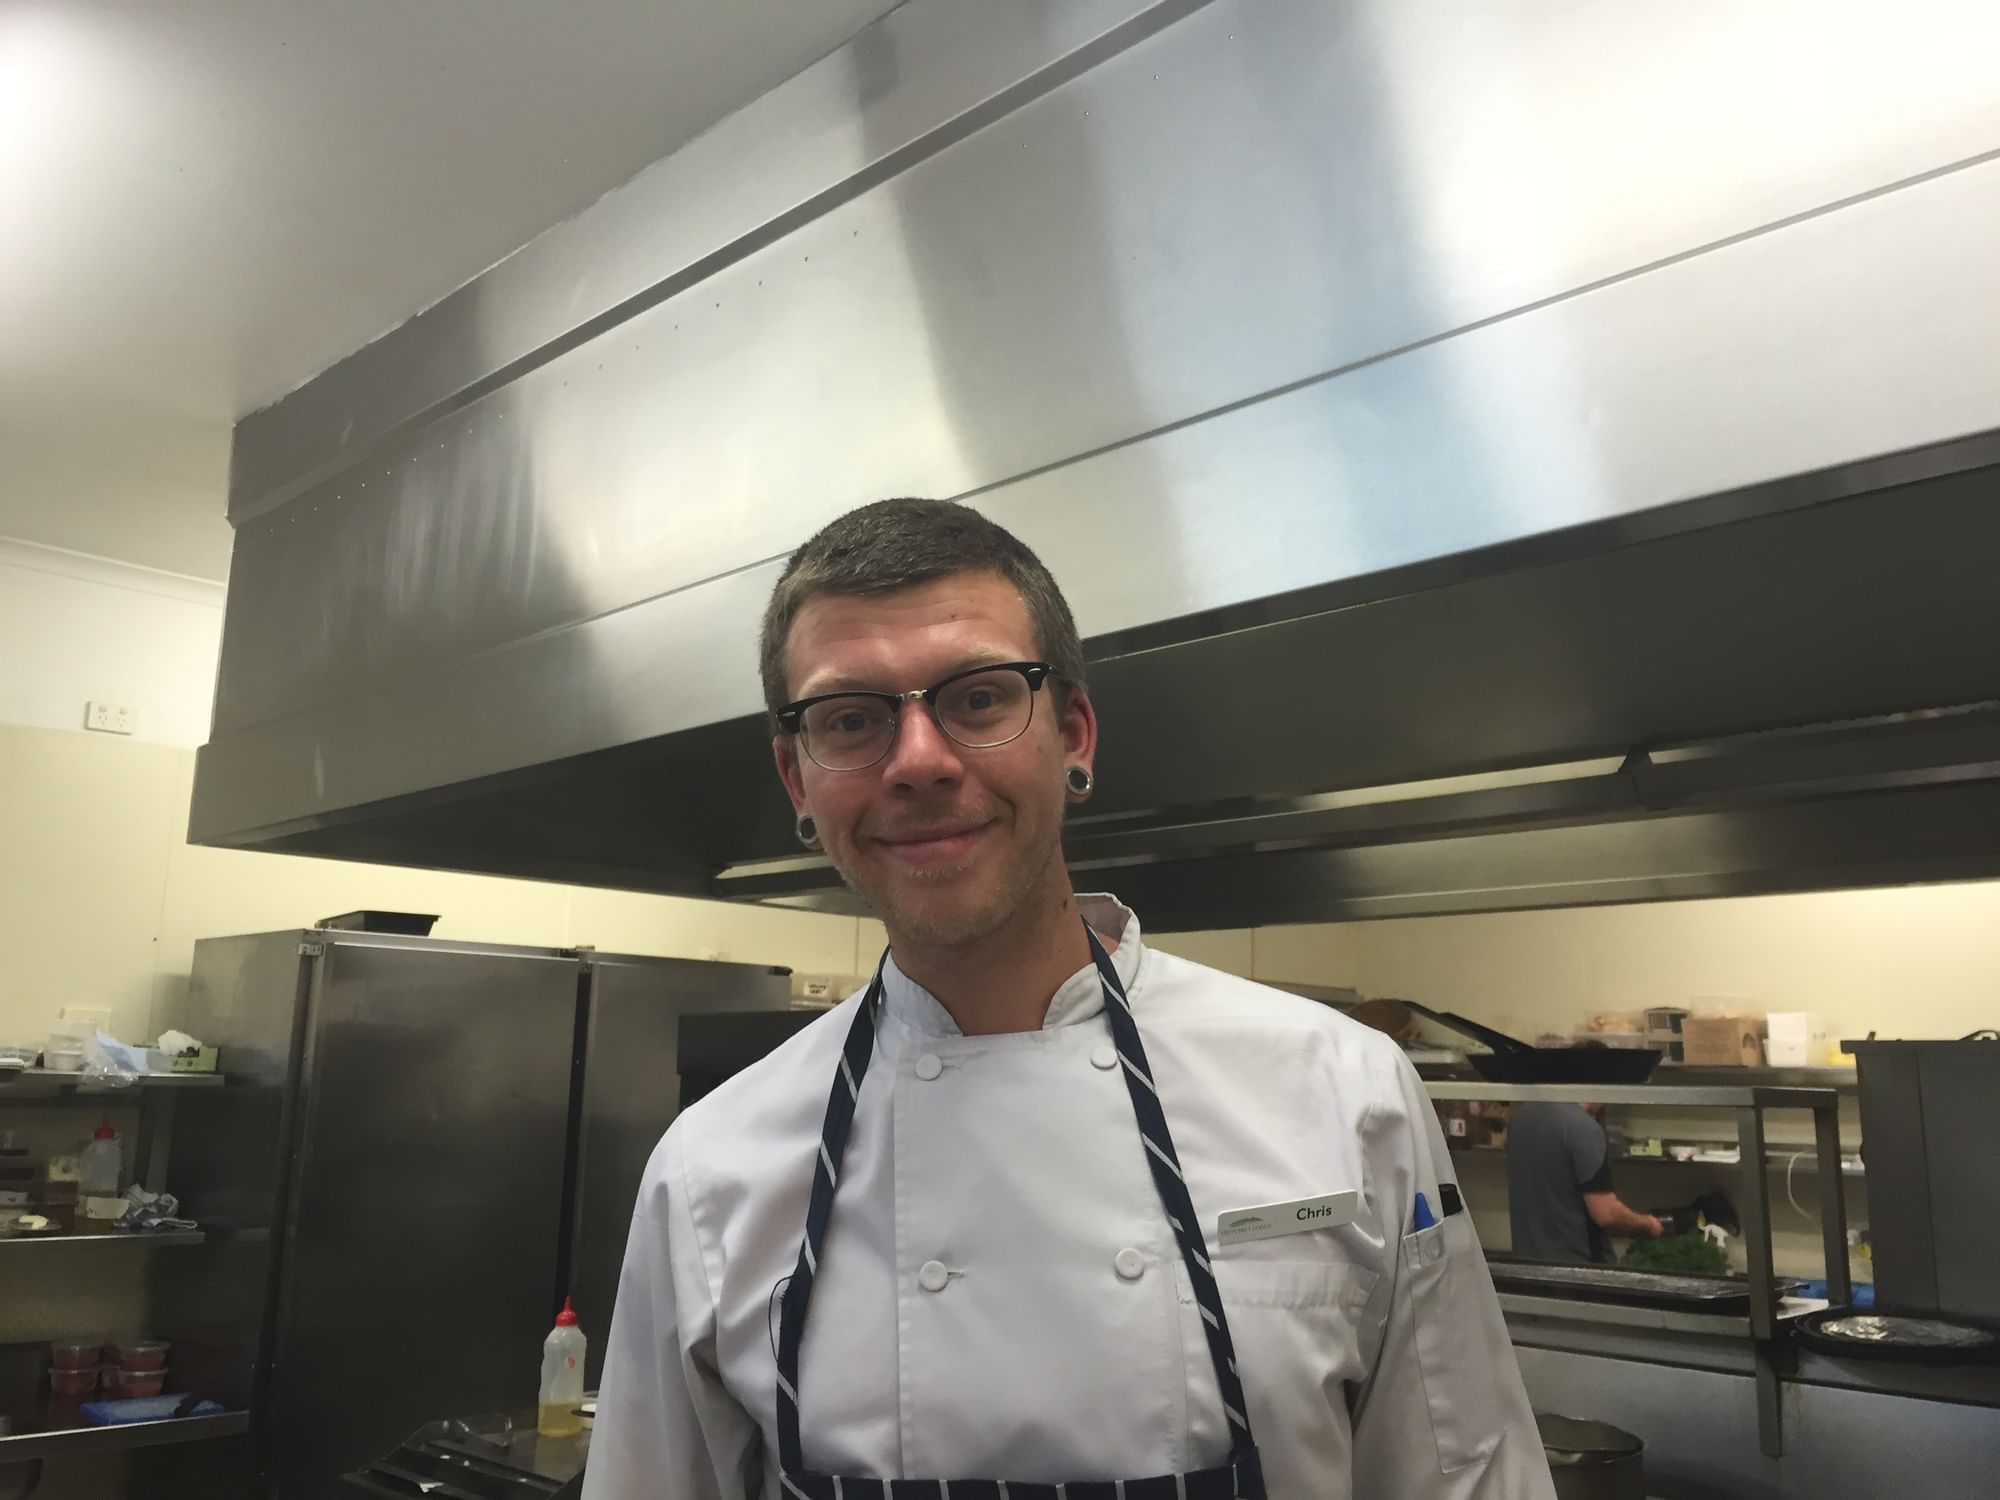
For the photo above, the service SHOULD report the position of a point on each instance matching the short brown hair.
(899, 544)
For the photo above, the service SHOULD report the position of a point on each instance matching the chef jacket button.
(933, 1276)
(928, 1067)
(1102, 1056)
(1129, 1263)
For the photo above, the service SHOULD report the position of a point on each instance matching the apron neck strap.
(1157, 1145)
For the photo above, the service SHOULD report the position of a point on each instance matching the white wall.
(101, 896)
(75, 628)
(1912, 961)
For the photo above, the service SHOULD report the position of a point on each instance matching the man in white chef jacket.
(998, 1293)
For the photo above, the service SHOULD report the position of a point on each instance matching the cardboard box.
(1723, 1041)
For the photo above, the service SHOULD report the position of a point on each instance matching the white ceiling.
(204, 202)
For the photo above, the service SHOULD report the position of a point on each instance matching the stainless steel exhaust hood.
(1537, 457)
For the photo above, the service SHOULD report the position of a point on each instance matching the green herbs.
(1690, 1253)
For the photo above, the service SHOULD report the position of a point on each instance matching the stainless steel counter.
(72, 1442)
(1697, 1414)
(1747, 1102)
(500, 1455)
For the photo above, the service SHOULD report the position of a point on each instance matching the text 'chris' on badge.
(1269, 1220)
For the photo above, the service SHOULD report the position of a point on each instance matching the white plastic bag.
(109, 1063)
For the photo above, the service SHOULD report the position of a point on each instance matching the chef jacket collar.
(1078, 998)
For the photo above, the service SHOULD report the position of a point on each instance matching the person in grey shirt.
(1559, 1192)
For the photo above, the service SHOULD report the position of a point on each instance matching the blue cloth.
(141, 1409)
(1863, 1292)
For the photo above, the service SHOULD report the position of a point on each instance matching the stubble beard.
(922, 924)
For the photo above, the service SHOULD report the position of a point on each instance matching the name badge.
(1267, 1221)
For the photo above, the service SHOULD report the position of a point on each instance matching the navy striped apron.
(1240, 1478)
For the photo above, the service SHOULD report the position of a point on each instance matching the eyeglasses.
(980, 708)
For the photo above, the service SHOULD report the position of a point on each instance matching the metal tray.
(1712, 1294)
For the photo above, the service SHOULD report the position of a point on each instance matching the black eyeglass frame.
(791, 718)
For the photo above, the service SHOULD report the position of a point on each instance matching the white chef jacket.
(1373, 1357)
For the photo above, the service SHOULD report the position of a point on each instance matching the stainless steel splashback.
(1393, 329)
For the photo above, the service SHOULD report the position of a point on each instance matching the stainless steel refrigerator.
(421, 1147)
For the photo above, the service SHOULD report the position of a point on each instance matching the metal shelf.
(1624, 1315)
(1774, 1159)
(42, 1082)
(150, 1238)
(1633, 1315)
(1688, 1075)
(1665, 1095)
(1747, 1101)
(71, 1442)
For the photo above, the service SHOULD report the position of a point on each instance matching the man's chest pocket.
(1298, 1328)
(1451, 1299)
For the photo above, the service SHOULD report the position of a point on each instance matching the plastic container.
(73, 1382)
(103, 1165)
(135, 1382)
(64, 1050)
(141, 1354)
(562, 1377)
(1795, 1039)
(76, 1354)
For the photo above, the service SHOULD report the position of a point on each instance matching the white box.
(822, 991)
(1795, 1039)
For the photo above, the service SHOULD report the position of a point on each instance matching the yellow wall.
(1915, 961)
(102, 898)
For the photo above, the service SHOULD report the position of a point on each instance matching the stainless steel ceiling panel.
(1892, 838)
(1399, 389)
(1256, 195)
(680, 660)
(1355, 471)
(1830, 606)
(1709, 375)
(905, 82)
(1536, 141)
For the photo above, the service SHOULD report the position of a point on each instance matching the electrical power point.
(88, 1015)
(109, 718)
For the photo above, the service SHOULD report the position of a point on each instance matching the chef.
(1041, 1211)
(1559, 1192)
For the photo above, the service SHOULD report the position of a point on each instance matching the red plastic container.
(135, 1382)
(140, 1354)
(76, 1354)
(73, 1382)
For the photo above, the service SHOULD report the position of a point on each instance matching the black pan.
(1514, 1061)
(1863, 1333)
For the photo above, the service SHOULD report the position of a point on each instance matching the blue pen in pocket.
(1422, 1218)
